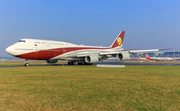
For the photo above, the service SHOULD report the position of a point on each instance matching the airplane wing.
(82, 54)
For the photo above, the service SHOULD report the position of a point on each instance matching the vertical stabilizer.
(140, 57)
(147, 56)
(119, 40)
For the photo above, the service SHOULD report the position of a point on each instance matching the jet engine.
(51, 61)
(123, 56)
(91, 58)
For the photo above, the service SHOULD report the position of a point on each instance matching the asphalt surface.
(145, 63)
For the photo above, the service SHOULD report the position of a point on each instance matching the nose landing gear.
(26, 63)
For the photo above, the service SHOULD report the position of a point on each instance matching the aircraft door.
(36, 48)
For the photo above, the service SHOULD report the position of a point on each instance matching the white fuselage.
(46, 49)
(162, 58)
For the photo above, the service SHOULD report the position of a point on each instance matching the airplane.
(140, 58)
(158, 58)
(52, 51)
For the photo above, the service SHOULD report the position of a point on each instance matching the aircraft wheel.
(70, 63)
(86, 63)
(82, 63)
(79, 63)
(26, 64)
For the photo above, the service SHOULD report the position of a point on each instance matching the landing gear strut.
(80, 63)
(26, 63)
(70, 62)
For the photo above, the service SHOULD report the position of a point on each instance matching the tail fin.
(140, 57)
(119, 40)
(147, 56)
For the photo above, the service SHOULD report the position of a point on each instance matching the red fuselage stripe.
(51, 53)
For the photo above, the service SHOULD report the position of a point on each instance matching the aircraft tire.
(26, 64)
(70, 62)
(87, 63)
(80, 63)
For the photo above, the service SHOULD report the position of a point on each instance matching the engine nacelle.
(123, 56)
(91, 58)
(51, 61)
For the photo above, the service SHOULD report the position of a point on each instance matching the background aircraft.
(158, 58)
(52, 51)
(142, 58)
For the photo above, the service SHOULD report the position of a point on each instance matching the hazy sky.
(148, 23)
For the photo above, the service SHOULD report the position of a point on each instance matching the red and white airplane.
(52, 51)
(158, 58)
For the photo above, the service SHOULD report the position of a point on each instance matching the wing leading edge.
(114, 52)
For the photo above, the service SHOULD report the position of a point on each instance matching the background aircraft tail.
(140, 57)
(147, 56)
(119, 40)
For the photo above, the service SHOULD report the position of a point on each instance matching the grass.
(138, 88)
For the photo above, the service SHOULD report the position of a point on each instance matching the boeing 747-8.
(52, 51)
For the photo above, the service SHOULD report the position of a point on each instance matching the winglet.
(119, 40)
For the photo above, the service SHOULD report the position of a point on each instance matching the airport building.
(159, 54)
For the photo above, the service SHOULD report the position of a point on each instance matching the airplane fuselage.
(46, 49)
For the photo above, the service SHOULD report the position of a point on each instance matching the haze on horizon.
(148, 24)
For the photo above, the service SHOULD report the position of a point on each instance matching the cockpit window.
(22, 41)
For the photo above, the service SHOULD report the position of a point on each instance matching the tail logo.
(119, 40)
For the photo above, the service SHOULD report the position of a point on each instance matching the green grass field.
(136, 88)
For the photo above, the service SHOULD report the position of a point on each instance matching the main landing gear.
(70, 62)
(26, 63)
(79, 63)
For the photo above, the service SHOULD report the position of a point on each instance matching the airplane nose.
(7, 50)
(10, 50)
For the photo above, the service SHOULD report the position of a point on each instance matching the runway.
(20, 63)
(137, 63)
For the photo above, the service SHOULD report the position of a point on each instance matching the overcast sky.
(148, 23)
